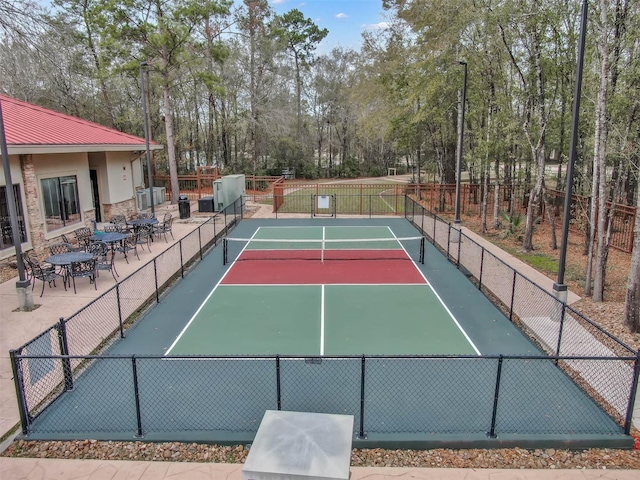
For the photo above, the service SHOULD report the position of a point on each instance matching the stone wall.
(127, 208)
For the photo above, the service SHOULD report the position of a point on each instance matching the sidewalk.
(51, 469)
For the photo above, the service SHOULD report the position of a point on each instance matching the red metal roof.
(27, 124)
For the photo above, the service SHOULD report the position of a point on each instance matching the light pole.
(146, 136)
(559, 287)
(456, 220)
(25, 298)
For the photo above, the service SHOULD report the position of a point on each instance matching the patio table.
(140, 222)
(64, 260)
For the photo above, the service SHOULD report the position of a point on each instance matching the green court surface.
(337, 318)
(322, 320)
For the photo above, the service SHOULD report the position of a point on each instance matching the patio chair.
(83, 269)
(141, 215)
(130, 243)
(164, 227)
(38, 271)
(65, 239)
(113, 228)
(56, 248)
(100, 251)
(144, 236)
(119, 221)
(82, 235)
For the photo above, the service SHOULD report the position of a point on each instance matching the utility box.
(206, 204)
(227, 190)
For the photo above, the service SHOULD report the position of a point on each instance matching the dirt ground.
(608, 314)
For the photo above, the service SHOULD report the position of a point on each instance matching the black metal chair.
(144, 235)
(130, 243)
(65, 239)
(142, 215)
(113, 228)
(56, 248)
(164, 227)
(86, 268)
(100, 251)
(39, 271)
(82, 235)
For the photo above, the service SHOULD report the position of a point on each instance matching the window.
(61, 202)
(5, 222)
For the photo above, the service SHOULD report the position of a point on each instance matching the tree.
(301, 37)
(632, 301)
(159, 32)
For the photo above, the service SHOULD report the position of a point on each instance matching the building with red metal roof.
(67, 173)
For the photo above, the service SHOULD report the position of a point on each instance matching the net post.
(422, 250)
(322, 250)
(224, 251)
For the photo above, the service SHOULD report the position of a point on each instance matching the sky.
(345, 19)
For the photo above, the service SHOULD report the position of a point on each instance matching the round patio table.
(140, 222)
(64, 260)
(108, 237)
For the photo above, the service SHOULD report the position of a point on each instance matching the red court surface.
(340, 267)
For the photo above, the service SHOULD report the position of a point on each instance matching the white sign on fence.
(323, 201)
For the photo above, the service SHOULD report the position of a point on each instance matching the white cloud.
(342, 15)
(375, 26)
(277, 2)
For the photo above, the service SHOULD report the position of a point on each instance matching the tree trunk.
(600, 157)
(171, 151)
(632, 301)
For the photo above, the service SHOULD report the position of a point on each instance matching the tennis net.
(397, 248)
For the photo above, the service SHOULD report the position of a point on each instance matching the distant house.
(66, 173)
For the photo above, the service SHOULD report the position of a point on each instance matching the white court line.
(440, 299)
(322, 322)
(206, 300)
(319, 284)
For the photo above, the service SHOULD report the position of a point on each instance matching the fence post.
(200, 241)
(459, 245)
(181, 259)
(278, 383)
(155, 278)
(481, 268)
(18, 381)
(119, 310)
(433, 238)
(422, 219)
(632, 394)
(448, 240)
(513, 295)
(413, 211)
(136, 392)
(562, 314)
(494, 413)
(361, 434)
(64, 350)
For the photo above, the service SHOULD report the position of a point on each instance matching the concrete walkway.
(51, 469)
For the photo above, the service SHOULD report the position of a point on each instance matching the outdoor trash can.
(184, 207)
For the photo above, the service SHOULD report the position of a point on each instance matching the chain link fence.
(105, 320)
(137, 396)
(583, 383)
(556, 328)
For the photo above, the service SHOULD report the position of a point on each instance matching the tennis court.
(323, 290)
(332, 316)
